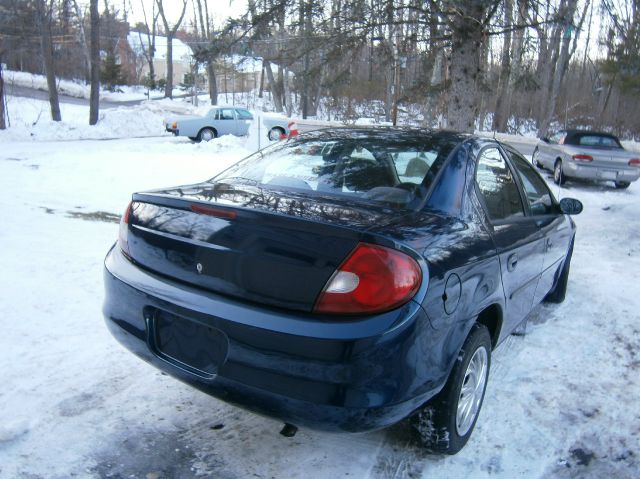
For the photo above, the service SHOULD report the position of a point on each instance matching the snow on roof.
(246, 64)
(181, 51)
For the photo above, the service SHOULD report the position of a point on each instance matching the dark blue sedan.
(343, 280)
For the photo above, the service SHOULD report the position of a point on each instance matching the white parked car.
(587, 155)
(223, 120)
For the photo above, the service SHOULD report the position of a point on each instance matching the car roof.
(233, 107)
(390, 133)
(582, 132)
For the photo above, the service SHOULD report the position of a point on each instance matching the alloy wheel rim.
(557, 172)
(207, 135)
(472, 390)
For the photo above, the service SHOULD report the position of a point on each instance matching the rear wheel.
(207, 134)
(445, 423)
(275, 133)
(622, 184)
(535, 158)
(558, 174)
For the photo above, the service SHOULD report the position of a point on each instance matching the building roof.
(139, 42)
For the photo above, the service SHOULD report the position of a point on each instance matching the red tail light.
(634, 162)
(583, 157)
(372, 279)
(123, 232)
(217, 212)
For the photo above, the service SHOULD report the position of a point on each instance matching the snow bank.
(31, 120)
(78, 89)
(631, 146)
(39, 82)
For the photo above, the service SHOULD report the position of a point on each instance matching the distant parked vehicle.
(587, 155)
(224, 120)
(279, 127)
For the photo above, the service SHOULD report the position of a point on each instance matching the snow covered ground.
(562, 400)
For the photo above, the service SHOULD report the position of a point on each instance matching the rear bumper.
(586, 172)
(352, 376)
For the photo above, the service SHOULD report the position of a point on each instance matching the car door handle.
(549, 243)
(512, 262)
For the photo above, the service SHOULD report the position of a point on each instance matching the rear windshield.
(594, 140)
(365, 169)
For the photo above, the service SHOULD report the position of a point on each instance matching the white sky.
(219, 10)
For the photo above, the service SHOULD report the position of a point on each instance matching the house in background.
(139, 44)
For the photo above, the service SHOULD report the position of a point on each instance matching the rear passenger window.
(226, 114)
(497, 186)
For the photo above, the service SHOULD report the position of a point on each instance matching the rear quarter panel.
(191, 127)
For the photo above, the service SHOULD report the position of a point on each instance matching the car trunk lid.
(272, 247)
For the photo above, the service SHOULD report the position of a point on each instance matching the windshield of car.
(396, 173)
(244, 114)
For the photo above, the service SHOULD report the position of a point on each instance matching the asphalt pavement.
(27, 92)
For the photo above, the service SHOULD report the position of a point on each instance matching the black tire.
(436, 423)
(193, 138)
(534, 159)
(559, 291)
(558, 174)
(275, 133)
(621, 185)
(207, 134)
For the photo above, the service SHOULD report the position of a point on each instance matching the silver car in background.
(217, 122)
(587, 155)
(226, 120)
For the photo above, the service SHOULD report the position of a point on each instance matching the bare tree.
(170, 32)
(562, 55)
(149, 51)
(3, 114)
(94, 98)
(45, 14)
(82, 38)
(500, 115)
(209, 60)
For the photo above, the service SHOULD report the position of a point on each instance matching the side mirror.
(545, 139)
(570, 206)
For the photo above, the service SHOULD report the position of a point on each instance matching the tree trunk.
(275, 94)
(94, 99)
(500, 118)
(168, 86)
(83, 40)
(3, 114)
(287, 94)
(260, 90)
(549, 106)
(213, 83)
(516, 65)
(44, 17)
(466, 40)
(170, 33)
